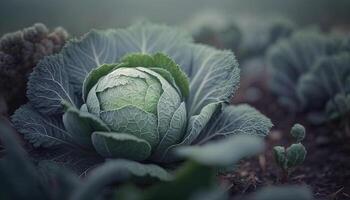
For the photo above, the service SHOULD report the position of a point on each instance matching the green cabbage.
(138, 93)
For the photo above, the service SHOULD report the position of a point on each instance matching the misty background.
(79, 16)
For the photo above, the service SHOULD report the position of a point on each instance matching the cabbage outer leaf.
(39, 130)
(121, 145)
(81, 125)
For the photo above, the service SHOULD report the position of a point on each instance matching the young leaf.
(162, 62)
(181, 79)
(93, 76)
(279, 154)
(296, 154)
(298, 132)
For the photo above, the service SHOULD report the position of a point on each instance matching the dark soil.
(326, 169)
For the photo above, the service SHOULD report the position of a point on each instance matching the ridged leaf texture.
(40, 130)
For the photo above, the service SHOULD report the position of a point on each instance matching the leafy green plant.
(327, 84)
(137, 93)
(289, 158)
(296, 63)
(20, 51)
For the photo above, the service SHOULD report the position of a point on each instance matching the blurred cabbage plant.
(310, 73)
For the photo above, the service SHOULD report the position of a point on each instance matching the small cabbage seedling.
(298, 132)
(289, 158)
